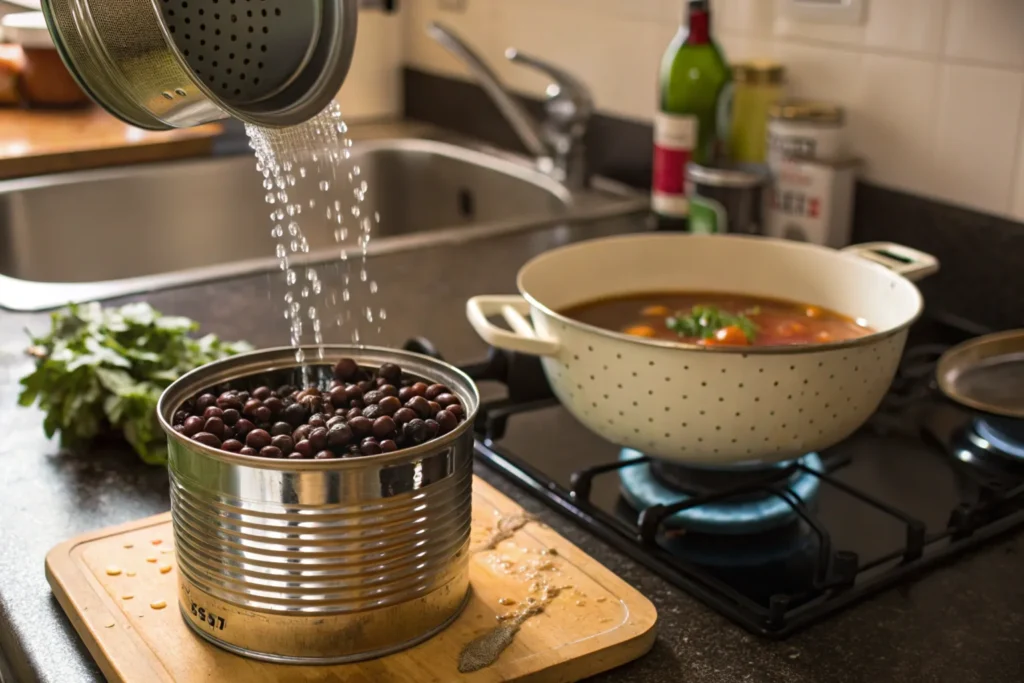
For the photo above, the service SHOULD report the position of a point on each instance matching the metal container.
(160, 64)
(726, 198)
(320, 561)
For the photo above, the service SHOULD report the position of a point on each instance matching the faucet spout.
(528, 130)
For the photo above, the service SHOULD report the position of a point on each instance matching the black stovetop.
(906, 492)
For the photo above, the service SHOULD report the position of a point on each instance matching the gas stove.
(779, 547)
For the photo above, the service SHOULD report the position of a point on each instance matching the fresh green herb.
(100, 370)
(704, 321)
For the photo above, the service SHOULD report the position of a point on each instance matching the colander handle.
(514, 309)
(910, 263)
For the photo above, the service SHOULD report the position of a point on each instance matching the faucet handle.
(570, 101)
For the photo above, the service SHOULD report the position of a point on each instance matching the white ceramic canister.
(805, 130)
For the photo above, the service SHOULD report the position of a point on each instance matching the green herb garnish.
(704, 321)
(100, 370)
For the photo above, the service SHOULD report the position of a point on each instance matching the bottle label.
(675, 138)
(707, 217)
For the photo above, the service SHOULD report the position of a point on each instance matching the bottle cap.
(807, 111)
(758, 72)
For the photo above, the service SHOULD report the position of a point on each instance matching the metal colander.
(160, 64)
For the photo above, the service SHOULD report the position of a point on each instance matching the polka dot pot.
(720, 405)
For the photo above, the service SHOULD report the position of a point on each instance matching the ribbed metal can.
(320, 561)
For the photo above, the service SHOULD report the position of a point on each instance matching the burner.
(991, 441)
(649, 484)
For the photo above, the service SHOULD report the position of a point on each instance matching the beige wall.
(935, 88)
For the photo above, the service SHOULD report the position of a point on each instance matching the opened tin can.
(320, 561)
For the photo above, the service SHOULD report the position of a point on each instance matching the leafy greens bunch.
(100, 370)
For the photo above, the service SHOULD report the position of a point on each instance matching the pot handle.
(910, 263)
(523, 338)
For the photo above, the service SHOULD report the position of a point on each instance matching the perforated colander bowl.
(161, 64)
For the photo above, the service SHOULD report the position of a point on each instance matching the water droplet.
(346, 295)
(373, 287)
(324, 186)
(281, 253)
(312, 203)
(293, 228)
(294, 246)
(383, 315)
(290, 277)
(268, 184)
(278, 231)
(302, 172)
(356, 170)
(317, 287)
(270, 198)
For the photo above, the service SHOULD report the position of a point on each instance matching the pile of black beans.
(363, 412)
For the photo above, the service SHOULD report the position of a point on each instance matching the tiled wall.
(934, 88)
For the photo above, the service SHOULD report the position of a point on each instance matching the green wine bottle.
(694, 76)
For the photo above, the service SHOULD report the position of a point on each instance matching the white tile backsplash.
(933, 88)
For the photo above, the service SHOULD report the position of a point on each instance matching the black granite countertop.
(962, 623)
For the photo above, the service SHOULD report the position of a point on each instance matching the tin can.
(320, 561)
(726, 198)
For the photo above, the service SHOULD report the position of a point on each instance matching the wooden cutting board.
(597, 624)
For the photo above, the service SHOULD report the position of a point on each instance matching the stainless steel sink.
(101, 234)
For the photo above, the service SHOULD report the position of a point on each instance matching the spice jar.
(805, 130)
(726, 198)
(757, 87)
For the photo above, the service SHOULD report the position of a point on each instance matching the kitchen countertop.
(962, 623)
(35, 141)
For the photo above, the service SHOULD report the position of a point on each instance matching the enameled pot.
(713, 405)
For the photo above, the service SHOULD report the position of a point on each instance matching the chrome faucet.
(557, 142)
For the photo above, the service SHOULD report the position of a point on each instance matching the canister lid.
(758, 72)
(743, 176)
(27, 29)
(807, 111)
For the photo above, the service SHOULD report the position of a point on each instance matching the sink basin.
(100, 234)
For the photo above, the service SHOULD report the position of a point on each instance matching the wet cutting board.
(597, 624)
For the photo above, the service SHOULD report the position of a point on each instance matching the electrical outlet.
(825, 11)
(452, 5)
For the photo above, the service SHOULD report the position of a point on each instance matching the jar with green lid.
(757, 87)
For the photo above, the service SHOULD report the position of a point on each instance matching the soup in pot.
(717, 319)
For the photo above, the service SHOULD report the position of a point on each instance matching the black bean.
(383, 427)
(434, 407)
(457, 410)
(345, 369)
(435, 390)
(230, 399)
(405, 393)
(353, 393)
(249, 451)
(353, 413)
(372, 412)
(325, 455)
(339, 396)
(249, 409)
(279, 428)
(179, 428)
(230, 417)
(339, 436)
(301, 433)
(318, 439)
(227, 433)
(433, 429)
(207, 439)
(304, 449)
(447, 399)
(391, 372)
(180, 417)
(388, 390)
(283, 441)
(275, 404)
(295, 414)
(215, 426)
(205, 401)
(295, 455)
(285, 390)
(389, 405)
(262, 414)
(361, 427)
(388, 446)
(446, 421)
(243, 396)
(366, 385)
(257, 439)
(336, 420)
(262, 393)
(317, 420)
(231, 446)
(420, 405)
(243, 427)
(372, 397)
(370, 446)
(420, 388)
(403, 415)
(271, 452)
(193, 425)
(415, 431)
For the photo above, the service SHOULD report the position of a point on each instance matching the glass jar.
(757, 87)
(803, 129)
